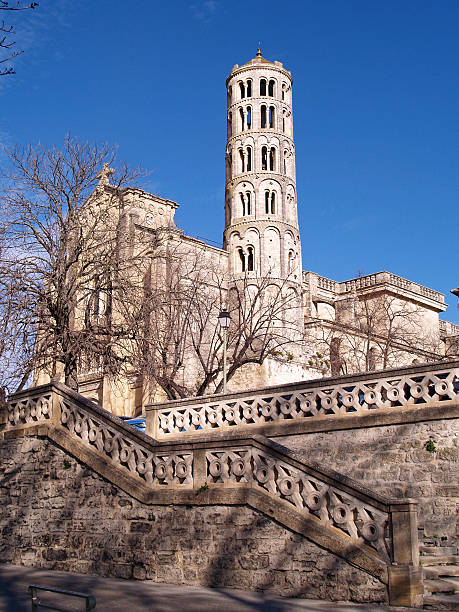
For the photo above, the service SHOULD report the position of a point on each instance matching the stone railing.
(392, 279)
(343, 396)
(377, 534)
(448, 329)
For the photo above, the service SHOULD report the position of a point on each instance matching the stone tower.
(261, 221)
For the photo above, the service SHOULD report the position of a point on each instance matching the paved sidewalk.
(113, 595)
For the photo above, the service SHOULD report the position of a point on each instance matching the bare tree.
(370, 332)
(6, 31)
(180, 347)
(61, 262)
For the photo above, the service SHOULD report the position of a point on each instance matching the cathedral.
(330, 327)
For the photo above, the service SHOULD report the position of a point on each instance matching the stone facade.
(59, 514)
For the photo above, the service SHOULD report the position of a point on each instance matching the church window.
(273, 202)
(250, 259)
(271, 117)
(241, 260)
(243, 204)
(249, 159)
(272, 158)
(291, 261)
(230, 93)
(242, 89)
(241, 116)
(249, 88)
(267, 202)
(249, 117)
(230, 124)
(241, 155)
(283, 124)
(263, 116)
(263, 87)
(249, 204)
(264, 158)
(271, 88)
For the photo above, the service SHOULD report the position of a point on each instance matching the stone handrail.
(448, 329)
(373, 532)
(343, 396)
(371, 280)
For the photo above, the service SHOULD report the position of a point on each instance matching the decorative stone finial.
(259, 50)
(105, 174)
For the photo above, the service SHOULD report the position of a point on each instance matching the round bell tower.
(261, 220)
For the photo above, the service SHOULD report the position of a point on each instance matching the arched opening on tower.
(249, 203)
(262, 87)
(250, 259)
(272, 120)
(272, 158)
(249, 159)
(264, 158)
(230, 124)
(241, 260)
(242, 157)
(273, 203)
(249, 117)
(271, 87)
(242, 89)
(249, 88)
(241, 118)
(263, 116)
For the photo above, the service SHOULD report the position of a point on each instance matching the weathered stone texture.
(58, 514)
(393, 460)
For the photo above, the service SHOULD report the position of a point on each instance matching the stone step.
(434, 560)
(438, 550)
(435, 571)
(442, 585)
(441, 602)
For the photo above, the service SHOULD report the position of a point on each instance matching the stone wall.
(393, 460)
(59, 514)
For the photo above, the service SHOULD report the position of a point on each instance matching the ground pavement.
(113, 595)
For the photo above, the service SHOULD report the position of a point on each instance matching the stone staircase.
(440, 565)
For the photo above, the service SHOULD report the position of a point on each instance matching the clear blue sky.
(375, 95)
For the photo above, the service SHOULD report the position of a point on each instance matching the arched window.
(242, 89)
(272, 117)
(283, 124)
(249, 159)
(270, 202)
(230, 124)
(241, 155)
(272, 158)
(263, 87)
(241, 117)
(249, 204)
(241, 260)
(243, 204)
(263, 116)
(271, 86)
(249, 117)
(250, 259)
(264, 158)
(249, 88)
(229, 95)
(291, 261)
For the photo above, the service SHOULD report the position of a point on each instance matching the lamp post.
(224, 320)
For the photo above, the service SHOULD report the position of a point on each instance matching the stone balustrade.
(373, 280)
(377, 534)
(345, 396)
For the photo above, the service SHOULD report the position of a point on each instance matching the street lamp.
(224, 320)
